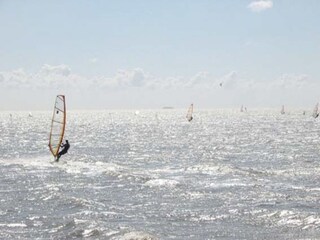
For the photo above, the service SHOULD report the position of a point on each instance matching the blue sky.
(167, 52)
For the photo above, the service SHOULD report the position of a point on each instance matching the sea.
(151, 174)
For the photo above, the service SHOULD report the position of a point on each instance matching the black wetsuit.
(65, 149)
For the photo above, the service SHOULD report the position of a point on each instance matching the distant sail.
(111, 118)
(189, 113)
(315, 113)
(58, 125)
(241, 109)
(282, 110)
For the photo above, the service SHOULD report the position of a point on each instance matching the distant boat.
(304, 113)
(241, 109)
(189, 113)
(282, 110)
(166, 107)
(315, 113)
(30, 114)
(58, 124)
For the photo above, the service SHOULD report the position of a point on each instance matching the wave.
(287, 218)
(13, 225)
(136, 235)
(162, 183)
(211, 170)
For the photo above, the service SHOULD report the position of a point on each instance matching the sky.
(146, 54)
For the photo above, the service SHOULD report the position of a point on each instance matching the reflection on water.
(153, 175)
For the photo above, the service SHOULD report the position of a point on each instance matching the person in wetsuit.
(65, 149)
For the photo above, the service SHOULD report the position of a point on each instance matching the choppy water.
(152, 175)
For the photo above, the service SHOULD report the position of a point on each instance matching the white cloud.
(200, 79)
(261, 5)
(126, 86)
(137, 77)
(287, 81)
(61, 77)
(15, 79)
(128, 78)
(58, 70)
(93, 60)
(170, 82)
(229, 81)
(57, 77)
(48, 77)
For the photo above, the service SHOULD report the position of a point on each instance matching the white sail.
(58, 124)
(189, 113)
(315, 113)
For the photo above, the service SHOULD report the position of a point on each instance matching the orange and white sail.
(189, 113)
(58, 125)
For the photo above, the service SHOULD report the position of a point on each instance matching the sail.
(282, 110)
(189, 113)
(241, 109)
(58, 124)
(315, 113)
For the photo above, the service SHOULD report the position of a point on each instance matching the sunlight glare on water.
(153, 175)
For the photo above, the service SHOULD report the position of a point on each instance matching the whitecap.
(90, 232)
(162, 183)
(13, 225)
(135, 236)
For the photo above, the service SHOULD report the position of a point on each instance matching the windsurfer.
(65, 149)
(189, 113)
